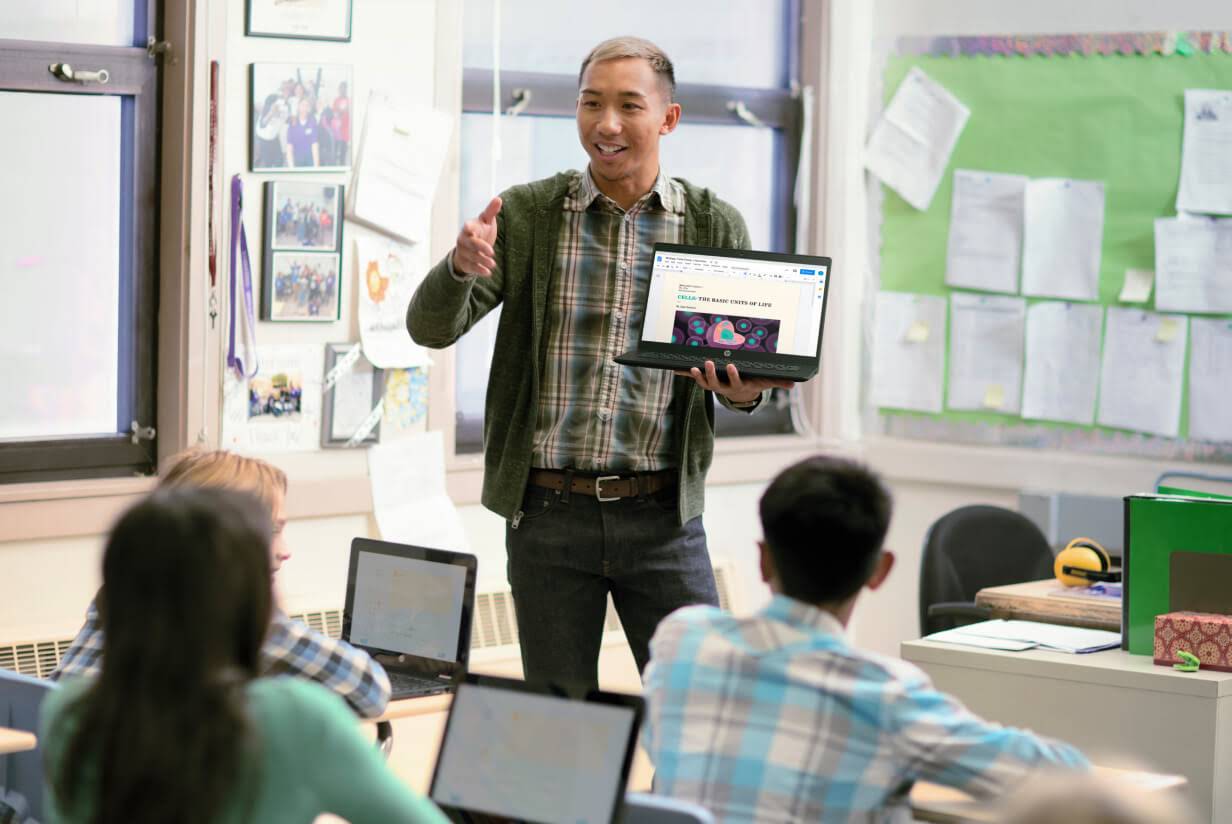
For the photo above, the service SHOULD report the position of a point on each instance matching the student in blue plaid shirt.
(291, 647)
(777, 717)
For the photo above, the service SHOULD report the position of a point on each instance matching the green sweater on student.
(313, 759)
(528, 226)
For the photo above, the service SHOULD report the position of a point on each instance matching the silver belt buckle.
(599, 487)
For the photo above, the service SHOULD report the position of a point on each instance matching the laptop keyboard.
(405, 684)
(674, 358)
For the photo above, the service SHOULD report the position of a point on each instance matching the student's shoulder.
(288, 697)
(691, 620)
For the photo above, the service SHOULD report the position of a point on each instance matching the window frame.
(136, 76)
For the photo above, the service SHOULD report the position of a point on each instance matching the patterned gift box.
(1204, 634)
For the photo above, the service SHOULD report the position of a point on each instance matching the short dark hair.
(824, 520)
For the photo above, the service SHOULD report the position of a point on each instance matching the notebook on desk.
(1016, 636)
(410, 608)
(515, 752)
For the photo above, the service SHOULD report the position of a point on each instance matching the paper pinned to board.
(1061, 378)
(986, 350)
(1137, 286)
(908, 358)
(1140, 375)
(1193, 264)
(912, 142)
(1210, 392)
(1206, 153)
(279, 408)
(984, 249)
(388, 274)
(408, 493)
(994, 396)
(1062, 235)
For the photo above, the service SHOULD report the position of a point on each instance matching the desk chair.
(969, 549)
(643, 808)
(20, 697)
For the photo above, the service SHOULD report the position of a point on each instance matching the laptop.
(762, 311)
(410, 608)
(513, 751)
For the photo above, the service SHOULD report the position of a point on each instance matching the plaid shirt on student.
(775, 718)
(595, 414)
(291, 648)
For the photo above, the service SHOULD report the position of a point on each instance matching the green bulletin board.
(1114, 118)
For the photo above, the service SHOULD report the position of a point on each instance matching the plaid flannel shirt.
(291, 648)
(775, 718)
(595, 414)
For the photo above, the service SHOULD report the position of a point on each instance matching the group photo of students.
(803, 563)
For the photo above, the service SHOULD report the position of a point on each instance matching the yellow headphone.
(1082, 562)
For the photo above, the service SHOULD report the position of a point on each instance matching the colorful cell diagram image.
(726, 331)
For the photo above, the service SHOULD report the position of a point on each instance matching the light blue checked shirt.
(776, 718)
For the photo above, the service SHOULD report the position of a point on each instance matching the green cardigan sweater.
(528, 226)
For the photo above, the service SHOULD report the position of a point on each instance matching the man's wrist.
(460, 277)
(751, 403)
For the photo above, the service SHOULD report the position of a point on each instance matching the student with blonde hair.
(290, 647)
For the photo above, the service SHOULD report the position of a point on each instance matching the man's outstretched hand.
(736, 389)
(473, 254)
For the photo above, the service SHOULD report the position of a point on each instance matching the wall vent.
(495, 625)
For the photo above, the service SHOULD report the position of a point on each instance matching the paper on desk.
(912, 142)
(1206, 153)
(1047, 636)
(1064, 227)
(1141, 375)
(1137, 286)
(408, 493)
(985, 243)
(908, 351)
(986, 348)
(399, 164)
(1062, 372)
(1210, 391)
(966, 639)
(1193, 265)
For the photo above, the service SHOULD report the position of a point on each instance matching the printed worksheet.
(912, 142)
(986, 348)
(1193, 265)
(1061, 243)
(909, 351)
(1142, 371)
(1210, 391)
(1062, 371)
(985, 244)
(1206, 153)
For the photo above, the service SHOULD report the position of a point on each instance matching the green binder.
(1156, 527)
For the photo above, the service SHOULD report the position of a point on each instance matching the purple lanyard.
(240, 238)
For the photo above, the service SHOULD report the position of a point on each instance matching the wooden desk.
(1119, 709)
(412, 707)
(1035, 601)
(945, 805)
(16, 741)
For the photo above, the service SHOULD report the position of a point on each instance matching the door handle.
(67, 73)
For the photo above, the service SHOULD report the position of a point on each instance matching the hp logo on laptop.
(727, 353)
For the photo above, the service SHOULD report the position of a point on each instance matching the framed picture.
(302, 216)
(352, 405)
(301, 286)
(300, 19)
(301, 117)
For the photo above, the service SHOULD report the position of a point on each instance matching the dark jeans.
(569, 551)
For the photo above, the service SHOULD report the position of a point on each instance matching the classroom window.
(741, 51)
(79, 253)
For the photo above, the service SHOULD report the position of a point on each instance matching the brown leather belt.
(605, 487)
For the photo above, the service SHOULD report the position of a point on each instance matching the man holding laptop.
(598, 468)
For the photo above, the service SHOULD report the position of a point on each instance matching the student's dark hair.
(162, 734)
(824, 520)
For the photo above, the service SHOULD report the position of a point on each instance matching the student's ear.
(881, 570)
(767, 563)
(671, 119)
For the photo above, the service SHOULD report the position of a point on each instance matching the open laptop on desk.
(514, 752)
(410, 608)
(762, 311)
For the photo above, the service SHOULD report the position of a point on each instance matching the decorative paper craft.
(278, 409)
(388, 273)
(406, 403)
(353, 395)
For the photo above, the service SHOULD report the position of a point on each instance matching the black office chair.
(22, 773)
(971, 548)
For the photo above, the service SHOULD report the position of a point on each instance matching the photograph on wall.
(301, 117)
(300, 19)
(279, 408)
(276, 395)
(353, 398)
(301, 287)
(303, 216)
(726, 332)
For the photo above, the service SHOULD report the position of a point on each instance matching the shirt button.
(618, 314)
(604, 415)
(623, 266)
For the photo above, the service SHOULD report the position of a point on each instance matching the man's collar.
(583, 191)
(797, 613)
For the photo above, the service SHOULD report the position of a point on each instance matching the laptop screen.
(406, 605)
(739, 302)
(512, 754)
